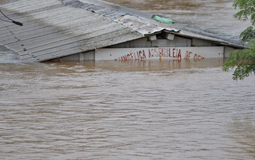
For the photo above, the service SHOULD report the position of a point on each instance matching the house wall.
(201, 43)
(146, 43)
(227, 51)
(87, 56)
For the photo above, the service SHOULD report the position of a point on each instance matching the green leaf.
(244, 61)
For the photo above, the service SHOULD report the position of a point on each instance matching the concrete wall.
(148, 42)
(201, 43)
(145, 42)
(227, 50)
(87, 56)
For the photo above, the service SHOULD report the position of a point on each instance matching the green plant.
(243, 61)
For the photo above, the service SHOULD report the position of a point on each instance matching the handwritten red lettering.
(151, 53)
(179, 54)
(144, 55)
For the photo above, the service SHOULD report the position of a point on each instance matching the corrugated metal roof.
(51, 32)
(134, 18)
(110, 13)
(57, 28)
(139, 24)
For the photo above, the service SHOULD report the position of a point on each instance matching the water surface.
(125, 111)
(131, 110)
(212, 16)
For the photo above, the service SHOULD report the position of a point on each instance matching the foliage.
(247, 8)
(245, 59)
(248, 34)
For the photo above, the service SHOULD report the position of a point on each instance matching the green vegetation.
(244, 60)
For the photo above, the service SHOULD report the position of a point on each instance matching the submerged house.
(97, 30)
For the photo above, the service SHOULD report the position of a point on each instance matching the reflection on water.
(156, 65)
(125, 110)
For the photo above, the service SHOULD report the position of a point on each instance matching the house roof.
(57, 28)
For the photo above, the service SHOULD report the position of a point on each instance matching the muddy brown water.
(212, 16)
(126, 110)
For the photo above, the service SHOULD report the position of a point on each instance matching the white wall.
(146, 43)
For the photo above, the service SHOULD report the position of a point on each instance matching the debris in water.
(162, 19)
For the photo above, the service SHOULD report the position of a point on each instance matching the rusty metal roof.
(57, 28)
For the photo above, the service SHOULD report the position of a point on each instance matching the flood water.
(130, 110)
(127, 110)
(212, 16)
